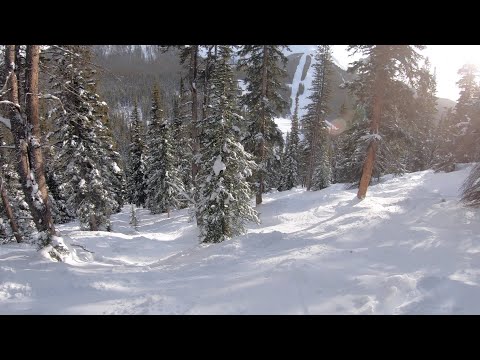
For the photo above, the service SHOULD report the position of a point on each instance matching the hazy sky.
(446, 58)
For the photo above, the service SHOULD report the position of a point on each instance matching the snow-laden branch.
(52, 97)
(8, 102)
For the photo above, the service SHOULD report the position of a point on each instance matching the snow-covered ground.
(409, 248)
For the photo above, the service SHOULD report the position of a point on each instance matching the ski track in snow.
(410, 247)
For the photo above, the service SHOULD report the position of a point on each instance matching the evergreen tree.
(471, 188)
(182, 144)
(443, 158)
(351, 149)
(264, 66)
(224, 194)
(421, 151)
(164, 187)
(467, 123)
(314, 126)
(376, 73)
(290, 164)
(82, 163)
(136, 170)
(322, 175)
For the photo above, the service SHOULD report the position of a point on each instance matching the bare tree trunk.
(93, 223)
(26, 137)
(261, 145)
(374, 125)
(9, 211)
(35, 151)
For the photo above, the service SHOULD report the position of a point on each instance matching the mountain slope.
(408, 248)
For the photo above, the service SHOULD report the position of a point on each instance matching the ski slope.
(409, 248)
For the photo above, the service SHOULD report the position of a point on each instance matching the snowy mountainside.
(410, 247)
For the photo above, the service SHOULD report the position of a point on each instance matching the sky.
(447, 59)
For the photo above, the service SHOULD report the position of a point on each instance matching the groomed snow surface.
(409, 248)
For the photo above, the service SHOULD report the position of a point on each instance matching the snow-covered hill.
(409, 248)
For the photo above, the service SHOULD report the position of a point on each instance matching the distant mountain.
(131, 71)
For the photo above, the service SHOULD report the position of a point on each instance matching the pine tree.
(264, 66)
(467, 123)
(352, 148)
(136, 168)
(290, 175)
(164, 186)
(83, 162)
(224, 194)
(314, 120)
(375, 74)
(421, 151)
(443, 158)
(471, 188)
(182, 144)
(322, 175)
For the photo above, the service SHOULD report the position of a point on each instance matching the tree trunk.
(44, 220)
(9, 211)
(93, 223)
(261, 145)
(374, 125)
(30, 160)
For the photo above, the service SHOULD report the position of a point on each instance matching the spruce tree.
(224, 194)
(136, 167)
(182, 144)
(264, 66)
(83, 162)
(467, 123)
(422, 149)
(376, 72)
(313, 123)
(322, 175)
(164, 186)
(290, 175)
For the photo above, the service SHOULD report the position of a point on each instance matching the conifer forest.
(239, 179)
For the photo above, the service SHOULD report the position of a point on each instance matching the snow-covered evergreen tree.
(322, 175)
(290, 176)
(264, 66)
(224, 194)
(83, 161)
(422, 144)
(467, 122)
(164, 186)
(182, 141)
(471, 188)
(377, 85)
(313, 123)
(136, 185)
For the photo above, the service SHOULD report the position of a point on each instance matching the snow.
(297, 78)
(409, 247)
(6, 122)
(218, 165)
